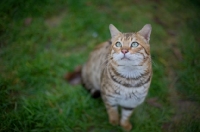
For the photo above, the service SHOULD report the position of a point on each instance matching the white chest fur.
(130, 97)
(130, 71)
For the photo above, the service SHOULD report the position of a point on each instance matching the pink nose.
(124, 51)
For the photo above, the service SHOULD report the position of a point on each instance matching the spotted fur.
(121, 72)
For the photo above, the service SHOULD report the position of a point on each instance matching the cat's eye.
(134, 44)
(118, 44)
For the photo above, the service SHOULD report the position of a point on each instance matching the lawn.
(41, 41)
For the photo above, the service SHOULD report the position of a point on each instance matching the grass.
(41, 41)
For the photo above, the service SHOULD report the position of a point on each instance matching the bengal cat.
(121, 71)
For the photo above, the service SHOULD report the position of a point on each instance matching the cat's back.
(92, 69)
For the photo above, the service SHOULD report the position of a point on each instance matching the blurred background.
(41, 41)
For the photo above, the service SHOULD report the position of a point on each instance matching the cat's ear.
(146, 31)
(113, 30)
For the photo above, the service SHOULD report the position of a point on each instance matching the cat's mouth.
(125, 58)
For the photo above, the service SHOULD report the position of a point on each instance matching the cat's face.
(130, 48)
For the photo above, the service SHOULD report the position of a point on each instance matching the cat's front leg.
(113, 114)
(125, 115)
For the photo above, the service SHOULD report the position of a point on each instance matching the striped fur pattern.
(121, 70)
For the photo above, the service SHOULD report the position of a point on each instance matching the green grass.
(35, 55)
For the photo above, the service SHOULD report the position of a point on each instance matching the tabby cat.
(120, 70)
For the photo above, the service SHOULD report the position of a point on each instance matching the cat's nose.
(124, 51)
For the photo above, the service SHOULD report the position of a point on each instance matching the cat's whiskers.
(154, 63)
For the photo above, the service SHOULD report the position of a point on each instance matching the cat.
(121, 71)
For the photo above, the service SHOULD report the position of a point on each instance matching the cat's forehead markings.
(133, 39)
(128, 36)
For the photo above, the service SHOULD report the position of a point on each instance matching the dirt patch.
(54, 21)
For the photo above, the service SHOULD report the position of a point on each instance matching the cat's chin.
(125, 58)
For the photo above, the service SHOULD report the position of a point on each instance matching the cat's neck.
(130, 71)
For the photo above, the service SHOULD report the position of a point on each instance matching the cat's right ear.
(113, 30)
(146, 31)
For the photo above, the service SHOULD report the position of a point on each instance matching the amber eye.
(118, 44)
(134, 44)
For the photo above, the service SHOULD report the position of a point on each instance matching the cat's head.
(130, 48)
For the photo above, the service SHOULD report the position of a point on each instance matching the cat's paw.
(114, 122)
(126, 125)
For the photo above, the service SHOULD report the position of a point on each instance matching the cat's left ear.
(146, 31)
(113, 30)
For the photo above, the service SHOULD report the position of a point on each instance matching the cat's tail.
(74, 78)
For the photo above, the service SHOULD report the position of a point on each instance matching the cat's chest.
(124, 88)
(127, 97)
(124, 91)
